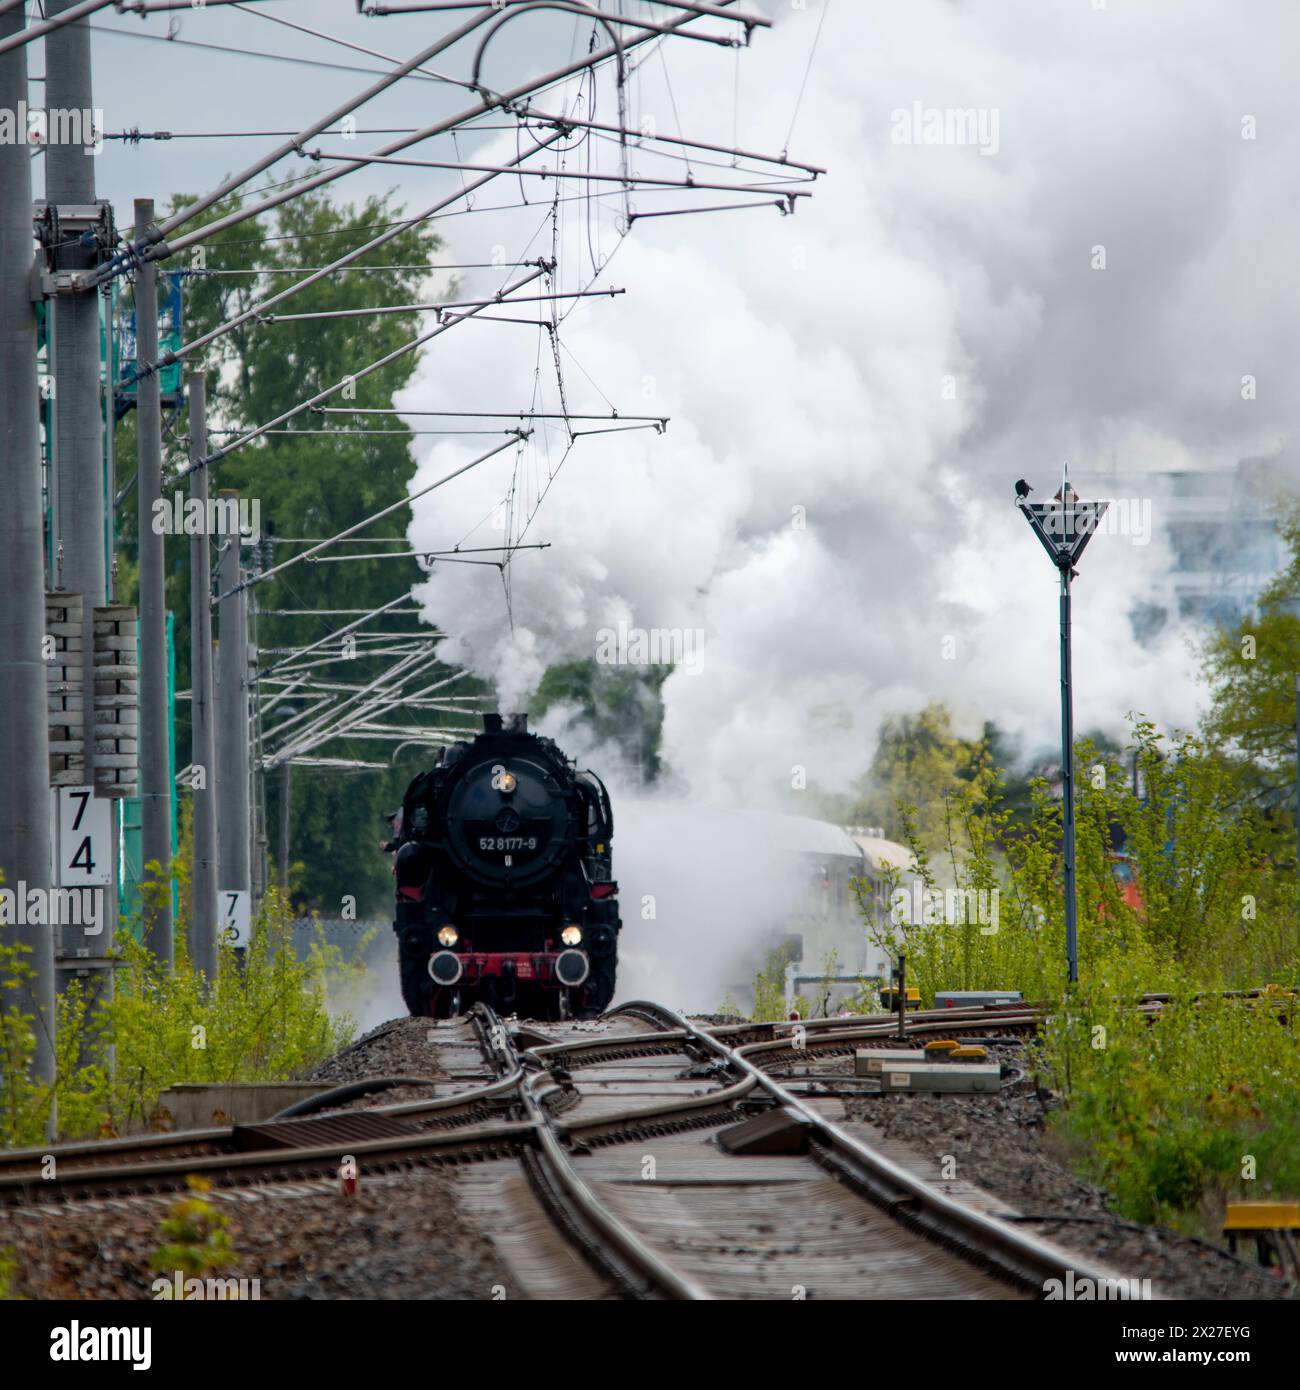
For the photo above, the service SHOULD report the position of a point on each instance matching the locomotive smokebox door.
(508, 813)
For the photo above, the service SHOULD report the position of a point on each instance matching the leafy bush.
(196, 1235)
(770, 1004)
(1174, 1116)
(22, 1104)
(1178, 1114)
(263, 1018)
(1216, 910)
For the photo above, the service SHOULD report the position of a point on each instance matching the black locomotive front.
(504, 882)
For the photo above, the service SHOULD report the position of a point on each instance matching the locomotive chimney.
(505, 723)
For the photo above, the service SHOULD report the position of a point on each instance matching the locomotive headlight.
(448, 936)
(571, 936)
(506, 783)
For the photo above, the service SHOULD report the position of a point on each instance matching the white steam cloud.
(696, 929)
(854, 389)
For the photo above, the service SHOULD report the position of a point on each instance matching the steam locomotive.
(505, 889)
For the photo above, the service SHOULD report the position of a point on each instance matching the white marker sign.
(84, 848)
(235, 923)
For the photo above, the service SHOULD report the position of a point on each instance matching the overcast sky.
(1089, 272)
(193, 85)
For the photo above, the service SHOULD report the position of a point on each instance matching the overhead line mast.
(25, 848)
(625, 33)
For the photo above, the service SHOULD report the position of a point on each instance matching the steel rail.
(983, 1239)
(575, 1052)
(31, 1159)
(542, 1139)
(313, 1163)
(575, 1207)
(658, 1041)
(962, 1018)
(630, 1122)
(840, 1037)
(27, 1162)
(832, 1031)
(586, 1052)
(82, 1158)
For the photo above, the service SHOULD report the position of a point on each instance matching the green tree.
(919, 760)
(622, 705)
(1251, 669)
(921, 769)
(308, 484)
(1212, 906)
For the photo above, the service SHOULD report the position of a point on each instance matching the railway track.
(463, 1125)
(603, 1144)
(114, 1166)
(834, 1220)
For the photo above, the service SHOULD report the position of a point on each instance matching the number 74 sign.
(83, 846)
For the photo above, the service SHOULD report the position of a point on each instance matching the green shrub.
(770, 1004)
(1177, 1114)
(8, 1268)
(264, 1018)
(196, 1236)
(22, 1104)
(1173, 1115)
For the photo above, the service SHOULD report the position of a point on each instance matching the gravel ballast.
(1002, 1143)
(406, 1235)
(397, 1237)
(398, 1048)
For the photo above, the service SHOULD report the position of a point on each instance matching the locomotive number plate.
(507, 842)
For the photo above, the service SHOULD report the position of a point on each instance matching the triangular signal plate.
(1064, 528)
